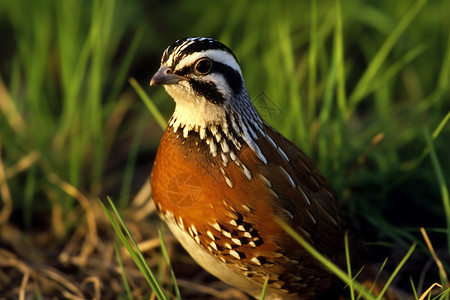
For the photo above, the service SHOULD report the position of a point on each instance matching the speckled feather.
(222, 175)
(241, 239)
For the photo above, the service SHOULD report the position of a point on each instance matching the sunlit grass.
(346, 277)
(128, 241)
(60, 90)
(356, 85)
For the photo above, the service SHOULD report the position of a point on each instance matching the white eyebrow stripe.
(213, 54)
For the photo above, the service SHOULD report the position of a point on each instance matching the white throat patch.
(193, 112)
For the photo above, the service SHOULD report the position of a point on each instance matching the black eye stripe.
(201, 84)
(185, 71)
(232, 77)
(208, 90)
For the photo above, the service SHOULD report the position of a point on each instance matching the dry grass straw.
(439, 264)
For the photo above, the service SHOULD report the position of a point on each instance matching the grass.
(128, 241)
(363, 87)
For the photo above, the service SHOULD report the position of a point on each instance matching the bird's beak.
(165, 76)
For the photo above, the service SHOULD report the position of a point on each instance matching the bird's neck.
(223, 129)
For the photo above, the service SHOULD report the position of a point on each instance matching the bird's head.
(203, 77)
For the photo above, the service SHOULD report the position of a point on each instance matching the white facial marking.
(235, 114)
(213, 54)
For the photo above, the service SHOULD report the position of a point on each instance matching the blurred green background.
(361, 86)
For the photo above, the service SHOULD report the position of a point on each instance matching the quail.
(222, 177)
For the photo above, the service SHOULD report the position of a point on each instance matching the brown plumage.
(222, 176)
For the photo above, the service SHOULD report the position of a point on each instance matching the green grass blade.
(427, 148)
(443, 82)
(122, 273)
(125, 237)
(312, 62)
(167, 258)
(397, 269)
(149, 103)
(441, 125)
(413, 287)
(324, 118)
(143, 266)
(349, 265)
(131, 163)
(378, 275)
(339, 55)
(322, 259)
(382, 53)
(126, 63)
(394, 70)
(441, 182)
(445, 295)
(264, 289)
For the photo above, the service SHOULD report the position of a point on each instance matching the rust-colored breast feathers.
(229, 208)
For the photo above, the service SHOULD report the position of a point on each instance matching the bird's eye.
(203, 66)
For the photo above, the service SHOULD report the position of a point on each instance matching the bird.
(223, 178)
